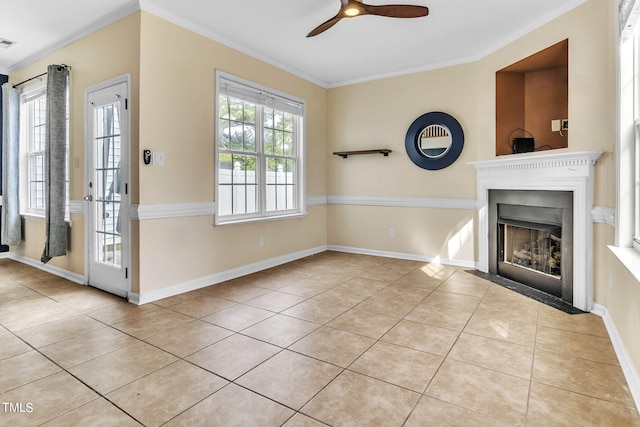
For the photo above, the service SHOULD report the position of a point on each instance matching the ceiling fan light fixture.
(353, 8)
(352, 11)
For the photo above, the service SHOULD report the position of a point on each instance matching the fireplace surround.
(531, 239)
(558, 172)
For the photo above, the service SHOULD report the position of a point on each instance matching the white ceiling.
(354, 50)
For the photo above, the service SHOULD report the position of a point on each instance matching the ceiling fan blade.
(397, 10)
(325, 25)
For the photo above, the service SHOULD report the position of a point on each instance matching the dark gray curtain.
(56, 162)
(10, 233)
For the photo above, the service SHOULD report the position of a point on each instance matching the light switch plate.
(158, 158)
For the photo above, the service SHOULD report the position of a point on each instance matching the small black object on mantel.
(344, 154)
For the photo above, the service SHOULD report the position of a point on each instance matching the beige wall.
(447, 233)
(173, 104)
(376, 115)
(622, 300)
(177, 69)
(107, 53)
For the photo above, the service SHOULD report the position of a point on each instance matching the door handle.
(88, 198)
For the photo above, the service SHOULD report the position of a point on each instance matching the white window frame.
(227, 84)
(636, 175)
(28, 95)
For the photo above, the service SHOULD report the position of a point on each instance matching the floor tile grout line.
(65, 370)
(533, 362)
(446, 357)
(459, 334)
(343, 369)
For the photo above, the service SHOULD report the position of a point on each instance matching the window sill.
(32, 216)
(38, 217)
(630, 258)
(260, 219)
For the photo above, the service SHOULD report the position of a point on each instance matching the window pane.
(278, 119)
(278, 133)
(268, 118)
(237, 130)
(223, 107)
(223, 134)
(237, 184)
(33, 142)
(249, 138)
(249, 113)
(236, 109)
(280, 184)
(287, 148)
(279, 143)
(288, 122)
(236, 136)
(36, 181)
(269, 141)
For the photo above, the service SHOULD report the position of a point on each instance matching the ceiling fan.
(353, 8)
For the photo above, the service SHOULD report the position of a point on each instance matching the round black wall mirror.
(434, 140)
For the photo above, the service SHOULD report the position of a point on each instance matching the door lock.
(88, 198)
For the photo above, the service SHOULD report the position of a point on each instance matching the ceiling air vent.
(6, 43)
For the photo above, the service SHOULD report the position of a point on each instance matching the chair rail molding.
(171, 210)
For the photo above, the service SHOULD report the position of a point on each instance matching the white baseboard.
(56, 271)
(402, 255)
(213, 279)
(216, 278)
(629, 369)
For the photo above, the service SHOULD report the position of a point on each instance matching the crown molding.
(131, 7)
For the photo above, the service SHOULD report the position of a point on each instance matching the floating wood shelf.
(344, 154)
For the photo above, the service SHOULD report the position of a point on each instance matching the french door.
(107, 186)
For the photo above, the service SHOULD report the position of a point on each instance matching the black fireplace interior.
(531, 238)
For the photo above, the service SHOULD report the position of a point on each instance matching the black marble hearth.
(550, 300)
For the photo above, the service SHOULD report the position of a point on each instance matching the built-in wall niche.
(532, 95)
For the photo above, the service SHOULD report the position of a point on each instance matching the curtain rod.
(38, 76)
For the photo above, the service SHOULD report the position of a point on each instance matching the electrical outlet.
(565, 124)
(392, 232)
(261, 241)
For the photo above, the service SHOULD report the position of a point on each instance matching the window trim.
(632, 145)
(636, 170)
(625, 248)
(237, 86)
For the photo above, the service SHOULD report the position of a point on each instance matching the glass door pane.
(107, 190)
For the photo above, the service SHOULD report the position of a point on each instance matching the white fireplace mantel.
(564, 171)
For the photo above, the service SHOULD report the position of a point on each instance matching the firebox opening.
(532, 239)
(533, 248)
